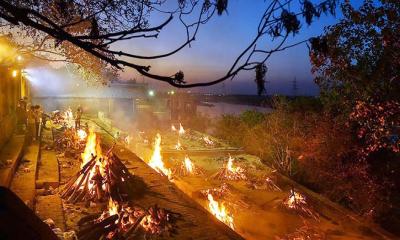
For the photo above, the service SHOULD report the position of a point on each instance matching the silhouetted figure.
(78, 116)
(31, 123)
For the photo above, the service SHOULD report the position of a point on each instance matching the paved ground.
(9, 159)
(24, 181)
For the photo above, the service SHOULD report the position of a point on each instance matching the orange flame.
(81, 134)
(207, 140)
(232, 168)
(181, 130)
(92, 147)
(188, 165)
(173, 128)
(156, 161)
(220, 212)
(178, 146)
(112, 207)
(295, 199)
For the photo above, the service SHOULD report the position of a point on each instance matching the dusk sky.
(218, 44)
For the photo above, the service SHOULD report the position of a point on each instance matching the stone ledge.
(11, 151)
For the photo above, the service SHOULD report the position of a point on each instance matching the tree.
(89, 28)
(357, 66)
(261, 70)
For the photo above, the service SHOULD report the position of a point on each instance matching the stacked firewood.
(128, 223)
(100, 179)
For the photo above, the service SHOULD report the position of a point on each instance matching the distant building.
(55, 91)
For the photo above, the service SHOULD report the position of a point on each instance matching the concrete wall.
(10, 88)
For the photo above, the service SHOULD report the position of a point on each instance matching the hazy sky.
(217, 45)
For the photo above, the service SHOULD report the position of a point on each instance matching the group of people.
(30, 117)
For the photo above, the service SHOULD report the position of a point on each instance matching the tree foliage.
(85, 32)
(357, 63)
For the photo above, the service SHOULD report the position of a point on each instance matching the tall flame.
(181, 130)
(156, 161)
(92, 147)
(232, 168)
(112, 207)
(188, 165)
(220, 212)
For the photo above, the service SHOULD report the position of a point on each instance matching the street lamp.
(151, 93)
(14, 73)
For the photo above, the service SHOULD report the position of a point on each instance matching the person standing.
(31, 123)
(38, 118)
(21, 115)
(78, 116)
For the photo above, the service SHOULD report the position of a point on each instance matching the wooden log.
(96, 228)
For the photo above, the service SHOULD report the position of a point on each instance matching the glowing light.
(14, 73)
(208, 141)
(295, 200)
(233, 169)
(220, 212)
(156, 161)
(173, 128)
(92, 147)
(178, 146)
(151, 93)
(188, 165)
(112, 207)
(81, 134)
(181, 129)
(19, 58)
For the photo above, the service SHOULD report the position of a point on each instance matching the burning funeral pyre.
(181, 130)
(100, 176)
(220, 212)
(297, 202)
(123, 222)
(71, 141)
(187, 168)
(68, 119)
(156, 161)
(230, 172)
(208, 141)
(178, 145)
